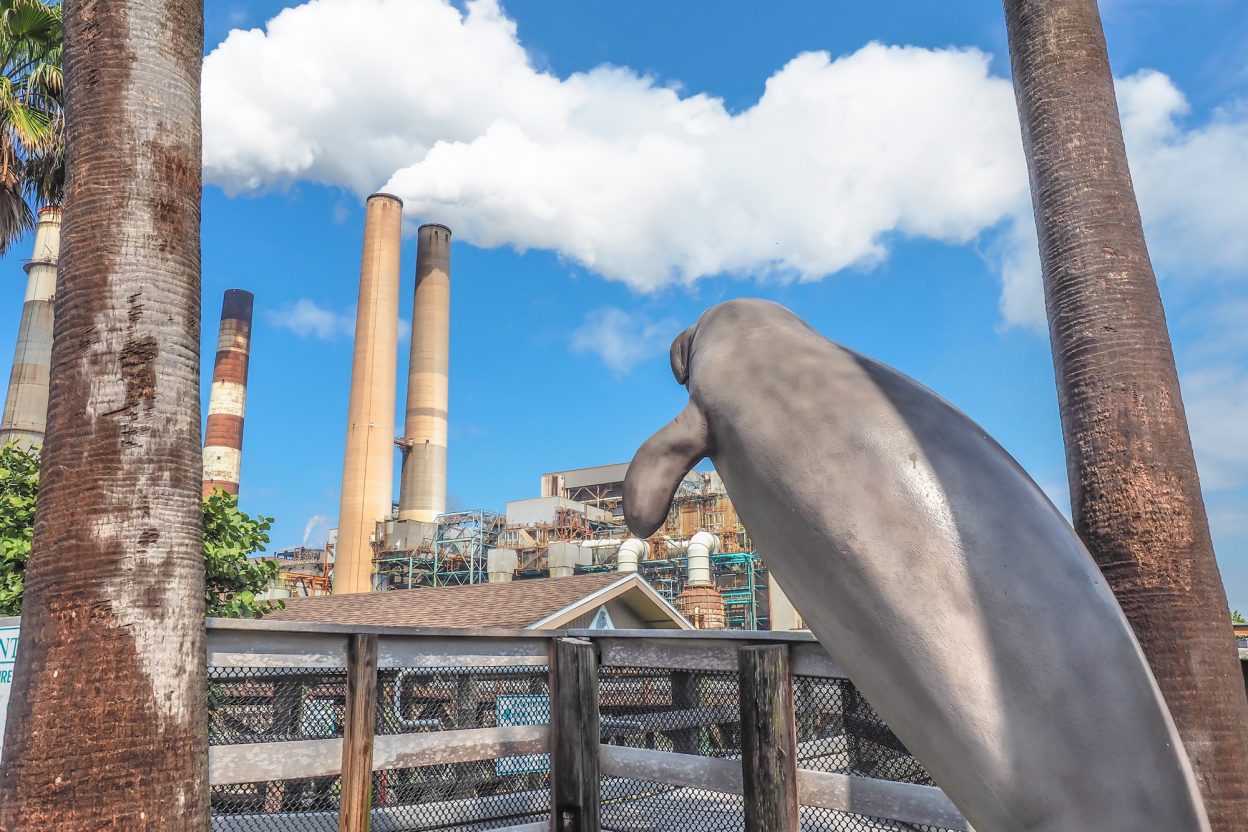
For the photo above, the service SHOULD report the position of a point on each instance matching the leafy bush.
(19, 485)
(232, 579)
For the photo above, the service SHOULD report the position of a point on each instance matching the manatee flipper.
(660, 465)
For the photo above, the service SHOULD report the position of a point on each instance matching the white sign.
(522, 709)
(8, 658)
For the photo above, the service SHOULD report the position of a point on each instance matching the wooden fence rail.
(766, 775)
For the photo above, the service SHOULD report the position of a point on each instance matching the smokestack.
(368, 465)
(26, 406)
(422, 489)
(223, 435)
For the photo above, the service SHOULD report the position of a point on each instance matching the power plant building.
(701, 561)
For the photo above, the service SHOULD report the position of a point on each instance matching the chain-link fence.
(276, 705)
(481, 794)
(698, 712)
(687, 712)
(271, 705)
(679, 711)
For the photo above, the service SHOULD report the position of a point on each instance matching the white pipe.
(631, 551)
(397, 696)
(700, 548)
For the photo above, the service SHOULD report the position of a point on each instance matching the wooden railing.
(765, 774)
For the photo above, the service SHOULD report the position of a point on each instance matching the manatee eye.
(680, 354)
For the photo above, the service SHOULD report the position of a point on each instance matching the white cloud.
(1216, 400)
(649, 186)
(1192, 184)
(623, 339)
(610, 168)
(308, 320)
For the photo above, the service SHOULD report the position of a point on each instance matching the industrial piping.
(700, 602)
(223, 433)
(631, 552)
(422, 484)
(368, 463)
(700, 548)
(26, 405)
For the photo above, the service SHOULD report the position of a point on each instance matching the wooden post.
(768, 740)
(574, 736)
(357, 737)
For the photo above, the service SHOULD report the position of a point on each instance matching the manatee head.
(662, 462)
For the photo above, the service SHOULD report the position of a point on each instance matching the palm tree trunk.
(1133, 481)
(107, 726)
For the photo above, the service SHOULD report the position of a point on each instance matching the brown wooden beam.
(574, 736)
(768, 740)
(357, 738)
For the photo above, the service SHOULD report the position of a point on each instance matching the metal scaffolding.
(740, 577)
(457, 553)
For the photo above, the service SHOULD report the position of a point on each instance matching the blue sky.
(610, 170)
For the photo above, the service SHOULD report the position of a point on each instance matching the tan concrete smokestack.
(422, 486)
(223, 434)
(368, 465)
(26, 406)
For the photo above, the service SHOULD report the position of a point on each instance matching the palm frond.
(31, 118)
(16, 218)
(44, 176)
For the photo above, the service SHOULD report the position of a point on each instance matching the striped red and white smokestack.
(223, 436)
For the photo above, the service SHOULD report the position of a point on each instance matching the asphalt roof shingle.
(515, 604)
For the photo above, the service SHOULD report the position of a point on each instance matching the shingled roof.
(544, 602)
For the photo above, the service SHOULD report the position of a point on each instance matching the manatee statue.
(933, 569)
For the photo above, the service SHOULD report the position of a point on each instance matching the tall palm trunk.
(1133, 482)
(107, 727)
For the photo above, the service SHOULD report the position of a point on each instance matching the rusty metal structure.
(304, 571)
(453, 550)
(584, 507)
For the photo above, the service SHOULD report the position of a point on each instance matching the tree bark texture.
(1133, 482)
(107, 726)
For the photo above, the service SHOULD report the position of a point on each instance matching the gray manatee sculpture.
(932, 568)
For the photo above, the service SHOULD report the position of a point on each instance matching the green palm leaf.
(31, 119)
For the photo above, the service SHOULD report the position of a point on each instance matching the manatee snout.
(682, 346)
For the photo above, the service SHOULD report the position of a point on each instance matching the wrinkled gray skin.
(933, 569)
